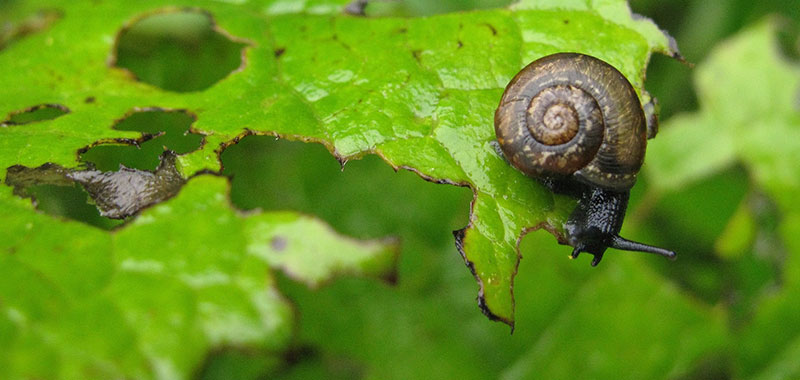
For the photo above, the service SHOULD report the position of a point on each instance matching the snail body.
(575, 123)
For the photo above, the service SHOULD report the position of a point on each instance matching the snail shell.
(570, 114)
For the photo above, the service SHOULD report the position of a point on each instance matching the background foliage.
(717, 188)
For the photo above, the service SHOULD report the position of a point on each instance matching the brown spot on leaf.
(278, 243)
(491, 28)
(417, 55)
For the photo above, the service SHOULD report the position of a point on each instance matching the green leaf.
(152, 299)
(685, 153)
(388, 86)
(311, 252)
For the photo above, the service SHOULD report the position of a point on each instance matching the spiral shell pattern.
(573, 114)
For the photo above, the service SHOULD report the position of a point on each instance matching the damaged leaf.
(125, 192)
(156, 297)
(117, 194)
(419, 92)
(311, 252)
(36, 113)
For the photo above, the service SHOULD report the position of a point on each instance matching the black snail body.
(575, 123)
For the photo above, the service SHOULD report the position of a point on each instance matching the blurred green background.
(428, 325)
(357, 328)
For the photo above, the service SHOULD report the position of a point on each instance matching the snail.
(575, 123)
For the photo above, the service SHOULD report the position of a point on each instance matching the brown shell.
(573, 114)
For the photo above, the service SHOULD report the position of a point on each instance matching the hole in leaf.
(161, 129)
(69, 202)
(33, 114)
(117, 195)
(120, 179)
(177, 51)
(367, 199)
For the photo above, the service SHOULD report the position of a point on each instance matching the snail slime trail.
(575, 123)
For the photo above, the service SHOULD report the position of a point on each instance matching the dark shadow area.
(303, 362)
(694, 221)
(33, 114)
(369, 199)
(664, 221)
(232, 363)
(366, 199)
(69, 202)
(177, 51)
(167, 129)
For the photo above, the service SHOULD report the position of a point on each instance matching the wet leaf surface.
(355, 84)
(419, 92)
